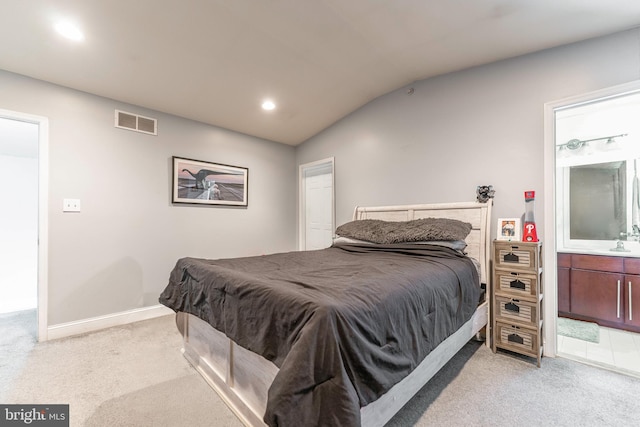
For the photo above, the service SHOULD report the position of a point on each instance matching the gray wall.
(117, 253)
(479, 126)
(483, 125)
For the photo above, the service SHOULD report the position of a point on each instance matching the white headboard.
(477, 214)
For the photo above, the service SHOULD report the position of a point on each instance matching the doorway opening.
(23, 223)
(316, 215)
(592, 212)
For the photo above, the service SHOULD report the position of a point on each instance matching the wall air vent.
(136, 123)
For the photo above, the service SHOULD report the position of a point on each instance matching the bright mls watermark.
(34, 415)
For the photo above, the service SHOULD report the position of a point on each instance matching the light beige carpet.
(17, 339)
(135, 375)
(179, 402)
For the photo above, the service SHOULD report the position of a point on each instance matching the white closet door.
(317, 188)
(319, 228)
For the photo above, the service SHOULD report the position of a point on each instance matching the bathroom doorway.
(595, 222)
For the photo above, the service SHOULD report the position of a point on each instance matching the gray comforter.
(343, 324)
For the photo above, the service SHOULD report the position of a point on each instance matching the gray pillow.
(424, 229)
(458, 245)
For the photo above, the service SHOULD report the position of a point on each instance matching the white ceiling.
(216, 60)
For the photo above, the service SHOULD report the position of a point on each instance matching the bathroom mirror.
(597, 201)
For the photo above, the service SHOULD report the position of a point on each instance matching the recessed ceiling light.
(268, 105)
(69, 30)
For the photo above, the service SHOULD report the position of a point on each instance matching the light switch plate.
(71, 205)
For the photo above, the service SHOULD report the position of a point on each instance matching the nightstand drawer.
(517, 284)
(515, 310)
(514, 337)
(516, 255)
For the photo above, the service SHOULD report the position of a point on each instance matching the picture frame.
(201, 182)
(509, 229)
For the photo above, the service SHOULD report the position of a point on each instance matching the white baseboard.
(101, 322)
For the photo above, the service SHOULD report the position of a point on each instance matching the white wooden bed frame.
(242, 377)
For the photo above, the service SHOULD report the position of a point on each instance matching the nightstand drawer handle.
(517, 284)
(511, 257)
(515, 338)
(512, 307)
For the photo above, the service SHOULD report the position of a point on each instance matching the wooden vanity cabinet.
(599, 288)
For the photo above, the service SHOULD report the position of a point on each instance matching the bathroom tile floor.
(617, 350)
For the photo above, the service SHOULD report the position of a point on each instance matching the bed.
(350, 365)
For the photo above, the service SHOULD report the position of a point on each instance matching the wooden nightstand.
(517, 297)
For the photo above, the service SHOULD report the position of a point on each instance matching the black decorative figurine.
(485, 192)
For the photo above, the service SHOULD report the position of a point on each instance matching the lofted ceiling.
(215, 61)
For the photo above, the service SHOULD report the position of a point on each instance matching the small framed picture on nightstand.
(509, 229)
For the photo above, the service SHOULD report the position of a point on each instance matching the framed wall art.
(509, 229)
(206, 183)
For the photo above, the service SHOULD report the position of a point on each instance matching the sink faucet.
(633, 235)
(619, 247)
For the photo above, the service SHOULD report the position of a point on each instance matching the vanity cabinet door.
(564, 277)
(564, 290)
(632, 300)
(597, 295)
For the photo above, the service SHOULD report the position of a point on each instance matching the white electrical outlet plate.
(71, 205)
